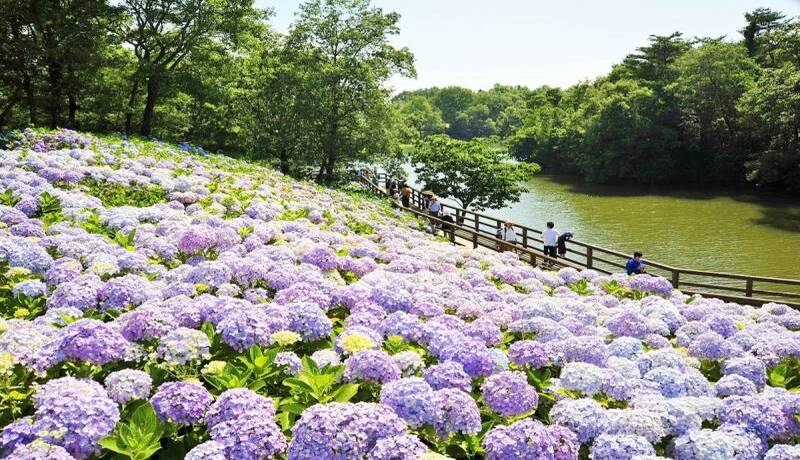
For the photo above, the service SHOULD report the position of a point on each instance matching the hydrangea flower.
(412, 399)
(585, 417)
(181, 402)
(509, 394)
(457, 412)
(371, 366)
(209, 450)
(527, 439)
(235, 402)
(342, 430)
(403, 447)
(620, 447)
(183, 345)
(528, 353)
(39, 450)
(74, 414)
(128, 384)
(448, 374)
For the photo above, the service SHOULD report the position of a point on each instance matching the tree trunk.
(150, 105)
(56, 75)
(7, 110)
(284, 162)
(73, 110)
(131, 106)
(30, 98)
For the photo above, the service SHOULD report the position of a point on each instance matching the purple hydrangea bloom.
(235, 402)
(290, 360)
(183, 345)
(128, 384)
(181, 402)
(474, 356)
(711, 346)
(125, 291)
(209, 450)
(402, 324)
(585, 417)
(39, 450)
(16, 434)
(620, 447)
(30, 288)
(196, 239)
(509, 394)
(457, 413)
(726, 442)
(628, 324)
(734, 385)
(309, 321)
(250, 436)
(448, 374)
(528, 353)
(529, 439)
(81, 293)
(783, 452)
(412, 399)
(371, 366)
(342, 430)
(760, 413)
(749, 367)
(75, 414)
(403, 447)
(243, 328)
(320, 256)
(90, 340)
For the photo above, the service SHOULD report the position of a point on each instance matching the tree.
(351, 58)
(772, 109)
(473, 172)
(758, 39)
(711, 79)
(421, 117)
(163, 33)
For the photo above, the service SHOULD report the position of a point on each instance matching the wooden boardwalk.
(476, 229)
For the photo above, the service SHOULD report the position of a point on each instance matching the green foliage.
(254, 370)
(785, 374)
(138, 435)
(313, 385)
(293, 214)
(580, 287)
(93, 224)
(16, 390)
(472, 173)
(7, 198)
(49, 209)
(360, 228)
(124, 195)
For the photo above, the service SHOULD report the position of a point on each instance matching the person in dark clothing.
(562, 243)
(388, 184)
(635, 266)
(405, 195)
(448, 227)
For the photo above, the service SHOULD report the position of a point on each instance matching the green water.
(706, 229)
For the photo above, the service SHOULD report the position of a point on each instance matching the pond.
(710, 228)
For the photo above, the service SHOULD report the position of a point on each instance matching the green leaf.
(345, 392)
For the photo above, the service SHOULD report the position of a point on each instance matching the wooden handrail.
(478, 226)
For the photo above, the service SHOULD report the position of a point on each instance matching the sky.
(478, 43)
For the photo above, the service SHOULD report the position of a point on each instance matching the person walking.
(550, 237)
(635, 265)
(405, 195)
(507, 234)
(434, 206)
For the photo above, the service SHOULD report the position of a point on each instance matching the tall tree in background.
(351, 59)
(165, 32)
(758, 34)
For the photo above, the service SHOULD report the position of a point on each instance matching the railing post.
(676, 278)
(475, 235)
(748, 290)
(589, 257)
(524, 237)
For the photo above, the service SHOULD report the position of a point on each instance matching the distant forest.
(676, 110)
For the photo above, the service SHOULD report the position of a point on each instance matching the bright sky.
(477, 43)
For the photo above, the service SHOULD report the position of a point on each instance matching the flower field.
(159, 302)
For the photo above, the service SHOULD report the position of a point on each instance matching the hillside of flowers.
(160, 302)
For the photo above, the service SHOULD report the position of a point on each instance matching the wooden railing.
(480, 229)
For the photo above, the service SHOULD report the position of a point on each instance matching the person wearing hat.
(507, 234)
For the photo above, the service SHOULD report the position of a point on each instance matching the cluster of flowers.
(260, 259)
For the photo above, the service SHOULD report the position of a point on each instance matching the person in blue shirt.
(635, 265)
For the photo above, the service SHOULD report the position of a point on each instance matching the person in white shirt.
(435, 206)
(507, 234)
(550, 237)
